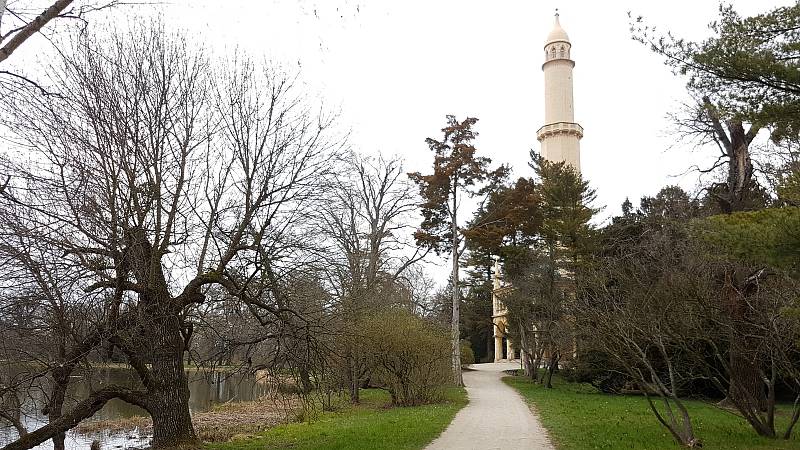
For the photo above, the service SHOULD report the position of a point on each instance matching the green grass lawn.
(370, 425)
(579, 417)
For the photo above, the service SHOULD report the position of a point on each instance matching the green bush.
(410, 356)
(467, 355)
(597, 369)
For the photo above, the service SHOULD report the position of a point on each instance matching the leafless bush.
(660, 311)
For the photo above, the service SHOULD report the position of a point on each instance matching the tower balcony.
(552, 129)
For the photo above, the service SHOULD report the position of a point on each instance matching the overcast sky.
(395, 68)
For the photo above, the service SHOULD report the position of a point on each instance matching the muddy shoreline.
(220, 424)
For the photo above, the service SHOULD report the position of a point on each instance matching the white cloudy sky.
(395, 68)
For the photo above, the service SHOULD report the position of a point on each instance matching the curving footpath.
(496, 417)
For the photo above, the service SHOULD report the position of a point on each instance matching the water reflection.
(206, 389)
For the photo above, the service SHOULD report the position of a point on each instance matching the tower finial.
(557, 21)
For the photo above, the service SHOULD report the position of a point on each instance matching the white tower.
(560, 136)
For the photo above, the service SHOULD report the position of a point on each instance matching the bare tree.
(638, 320)
(21, 20)
(654, 308)
(366, 222)
(159, 181)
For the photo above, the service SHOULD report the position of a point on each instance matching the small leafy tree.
(410, 358)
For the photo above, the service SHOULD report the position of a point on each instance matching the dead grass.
(219, 424)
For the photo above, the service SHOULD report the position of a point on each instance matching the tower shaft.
(560, 136)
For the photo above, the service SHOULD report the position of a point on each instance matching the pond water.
(206, 388)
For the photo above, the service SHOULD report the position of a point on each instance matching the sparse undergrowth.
(219, 424)
(373, 424)
(578, 417)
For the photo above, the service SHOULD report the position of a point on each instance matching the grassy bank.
(578, 417)
(372, 424)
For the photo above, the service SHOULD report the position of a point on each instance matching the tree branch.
(33, 27)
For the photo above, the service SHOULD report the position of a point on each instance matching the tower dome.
(557, 35)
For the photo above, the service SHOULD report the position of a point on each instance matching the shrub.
(467, 355)
(410, 356)
(597, 368)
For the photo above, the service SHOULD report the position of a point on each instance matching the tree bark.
(354, 380)
(537, 362)
(746, 388)
(552, 368)
(168, 394)
(2, 10)
(54, 409)
(355, 388)
(33, 27)
(734, 142)
(455, 331)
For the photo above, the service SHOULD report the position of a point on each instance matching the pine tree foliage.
(751, 64)
(457, 172)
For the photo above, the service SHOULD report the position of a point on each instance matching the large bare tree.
(366, 223)
(159, 176)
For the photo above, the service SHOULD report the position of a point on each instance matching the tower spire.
(560, 136)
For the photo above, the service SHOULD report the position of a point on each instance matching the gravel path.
(495, 418)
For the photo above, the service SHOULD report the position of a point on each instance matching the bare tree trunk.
(83, 410)
(746, 388)
(684, 435)
(353, 379)
(455, 332)
(169, 390)
(355, 388)
(305, 379)
(793, 420)
(2, 10)
(537, 363)
(554, 357)
(54, 408)
(523, 351)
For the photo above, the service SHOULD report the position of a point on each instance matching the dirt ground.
(220, 424)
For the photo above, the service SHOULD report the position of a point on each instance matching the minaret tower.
(560, 136)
